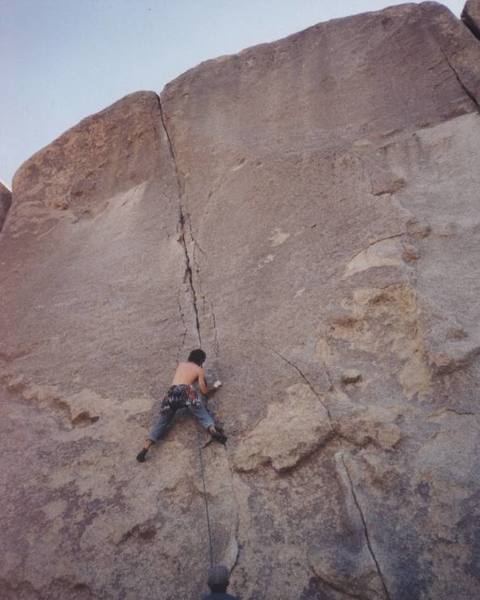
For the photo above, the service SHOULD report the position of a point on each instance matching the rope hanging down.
(202, 471)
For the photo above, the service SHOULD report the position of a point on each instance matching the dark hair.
(197, 356)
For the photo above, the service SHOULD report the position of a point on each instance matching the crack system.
(336, 433)
(182, 224)
(185, 228)
(365, 530)
(182, 317)
(189, 274)
(186, 231)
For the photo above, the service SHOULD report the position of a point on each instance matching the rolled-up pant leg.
(202, 415)
(161, 424)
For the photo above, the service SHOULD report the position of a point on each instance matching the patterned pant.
(178, 397)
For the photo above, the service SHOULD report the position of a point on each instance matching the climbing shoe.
(219, 437)
(142, 456)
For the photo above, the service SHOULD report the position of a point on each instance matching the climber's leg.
(205, 419)
(158, 429)
(202, 415)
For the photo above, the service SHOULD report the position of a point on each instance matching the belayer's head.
(218, 578)
(197, 356)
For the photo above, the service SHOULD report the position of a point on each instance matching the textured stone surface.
(308, 211)
(471, 16)
(5, 201)
(93, 316)
(290, 431)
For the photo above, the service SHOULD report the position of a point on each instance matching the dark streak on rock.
(4, 356)
(470, 22)
(182, 318)
(142, 532)
(365, 529)
(470, 94)
(383, 239)
(307, 381)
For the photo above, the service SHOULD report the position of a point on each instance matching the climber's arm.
(202, 384)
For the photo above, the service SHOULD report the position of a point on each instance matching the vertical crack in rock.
(182, 223)
(365, 529)
(207, 305)
(191, 265)
(182, 317)
(216, 343)
(195, 243)
(185, 227)
(189, 273)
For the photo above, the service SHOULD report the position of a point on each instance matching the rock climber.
(182, 394)
(218, 580)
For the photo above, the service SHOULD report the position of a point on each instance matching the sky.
(62, 60)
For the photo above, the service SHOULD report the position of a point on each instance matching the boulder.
(5, 201)
(471, 16)
(307, 212)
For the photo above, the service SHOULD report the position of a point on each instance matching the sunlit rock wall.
(307, 211)
(5, 202)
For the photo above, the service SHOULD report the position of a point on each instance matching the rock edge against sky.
(308, 212)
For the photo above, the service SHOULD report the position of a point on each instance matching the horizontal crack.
(388, 237)
(451, 410)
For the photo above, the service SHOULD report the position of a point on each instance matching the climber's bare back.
(187, 373)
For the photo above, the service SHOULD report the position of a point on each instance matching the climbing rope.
(202, 471)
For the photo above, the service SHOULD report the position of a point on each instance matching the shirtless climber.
(182, 394)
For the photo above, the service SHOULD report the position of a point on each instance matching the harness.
(180, 396)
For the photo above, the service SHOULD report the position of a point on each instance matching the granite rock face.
(471, 16)
(307, 211)
(5, 202)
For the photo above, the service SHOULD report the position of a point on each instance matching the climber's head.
(197, 356)
(218, 577)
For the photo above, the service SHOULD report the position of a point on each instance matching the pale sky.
(62, 60)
